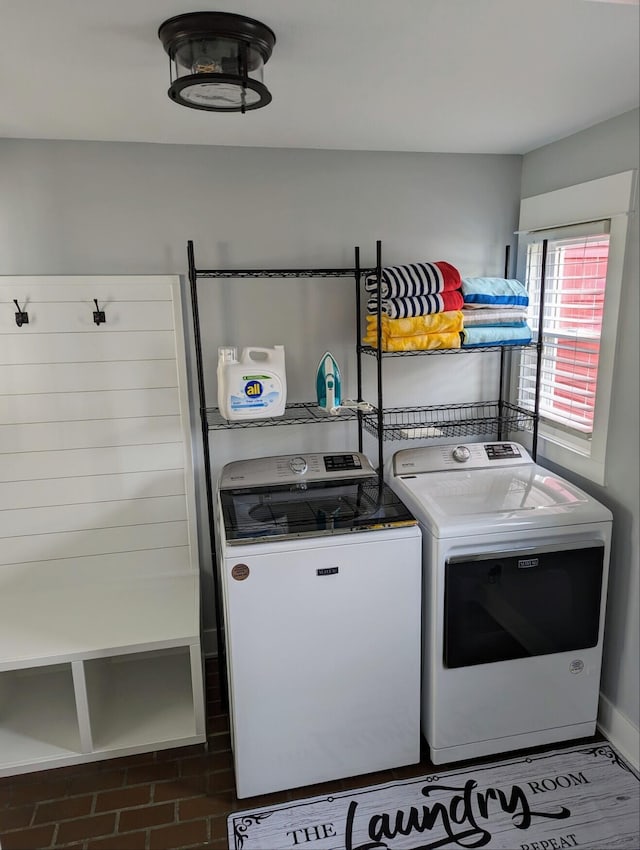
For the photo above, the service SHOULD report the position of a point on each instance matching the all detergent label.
(252, 394)
(254, 387)
(259, 392)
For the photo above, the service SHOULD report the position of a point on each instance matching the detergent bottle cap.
(227, 354)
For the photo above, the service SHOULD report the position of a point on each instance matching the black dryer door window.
(519, 605)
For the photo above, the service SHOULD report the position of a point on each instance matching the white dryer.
(515, 566)
(321, 578)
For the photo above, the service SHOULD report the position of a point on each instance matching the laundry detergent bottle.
(253, 386)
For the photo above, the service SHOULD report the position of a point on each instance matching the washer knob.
(461, 454)
(298, 465)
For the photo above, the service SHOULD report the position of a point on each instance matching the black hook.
(22, 318)
(98, 315)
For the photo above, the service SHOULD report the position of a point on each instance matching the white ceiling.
(466, 76)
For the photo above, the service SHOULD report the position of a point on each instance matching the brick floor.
(168, 800)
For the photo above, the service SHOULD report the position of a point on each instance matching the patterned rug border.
(238, 821)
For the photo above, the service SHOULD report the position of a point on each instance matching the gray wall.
(609, 148)
(116, 208)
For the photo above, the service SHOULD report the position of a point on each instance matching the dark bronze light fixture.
(216, 60)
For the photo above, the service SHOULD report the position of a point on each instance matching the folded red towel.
(450, 274)
(451, 299)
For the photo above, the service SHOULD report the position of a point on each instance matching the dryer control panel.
(459, 456)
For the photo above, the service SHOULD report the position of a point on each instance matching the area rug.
(581, 796)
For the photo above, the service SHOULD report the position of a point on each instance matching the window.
(583, 264)
(574, 295)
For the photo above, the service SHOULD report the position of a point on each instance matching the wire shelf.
(296, 413)
(281, 273)
(373, 351)
(454, 420)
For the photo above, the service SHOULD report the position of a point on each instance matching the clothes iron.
(328, 383)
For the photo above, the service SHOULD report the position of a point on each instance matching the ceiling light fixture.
(216, 60)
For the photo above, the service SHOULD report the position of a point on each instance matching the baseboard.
(620, 731)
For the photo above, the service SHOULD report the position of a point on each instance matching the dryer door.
(521, 604)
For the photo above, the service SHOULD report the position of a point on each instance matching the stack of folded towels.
(494, 312)
(421, 307)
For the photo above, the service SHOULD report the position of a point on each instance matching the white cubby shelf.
(97, 669)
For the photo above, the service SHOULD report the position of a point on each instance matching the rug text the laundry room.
(459, 817)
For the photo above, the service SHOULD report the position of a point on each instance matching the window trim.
(592, 202)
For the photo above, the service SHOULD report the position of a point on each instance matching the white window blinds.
(574, 293)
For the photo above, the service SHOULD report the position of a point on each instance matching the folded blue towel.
(480, 335)
(479, 291)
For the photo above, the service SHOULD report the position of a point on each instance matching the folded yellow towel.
(415, 342)
(447, 322)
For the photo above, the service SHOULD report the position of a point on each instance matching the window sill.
(571, 459)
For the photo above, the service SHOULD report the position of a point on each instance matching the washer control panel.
(283, 469)
(458, 456)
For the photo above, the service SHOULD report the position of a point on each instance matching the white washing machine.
(515, 565)
(321, 582)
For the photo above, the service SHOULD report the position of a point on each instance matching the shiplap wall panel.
(34, 465)
(95, 541)
(82, 289)
(110, 566)
(94, 404)
(73, 491)
(95, 459)
(85, 434)
(103, 345)
(22, 521)
(79, 377)
(78, 317)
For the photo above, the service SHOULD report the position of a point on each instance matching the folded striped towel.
(418, 305)
(433, 323)
(415, 279)
(416, 342)
(499, 335)
(515, 317)
(497, 291)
